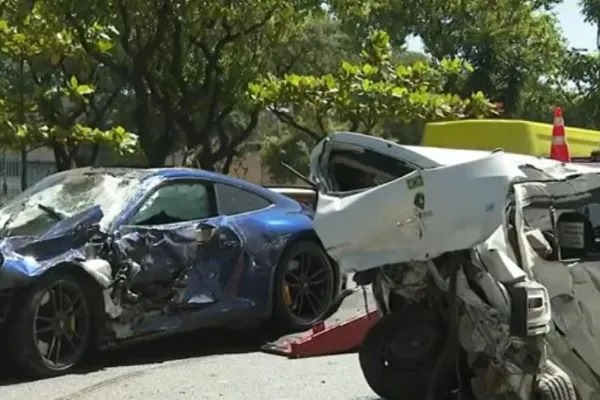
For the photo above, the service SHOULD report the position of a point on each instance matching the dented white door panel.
(418, 216)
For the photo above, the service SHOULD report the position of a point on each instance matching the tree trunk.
(94, 154)
(61, 158)
(23, 169)
(85, 157)
(22, 120)
(207, 166)
(156, 156)
(227, 163)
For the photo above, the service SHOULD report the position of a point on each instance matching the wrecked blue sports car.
(100, 257)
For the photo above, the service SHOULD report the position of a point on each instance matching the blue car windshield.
(66, 194)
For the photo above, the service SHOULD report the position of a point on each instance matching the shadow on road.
(189, 345)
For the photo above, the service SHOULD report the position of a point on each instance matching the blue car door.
(189, 240)
(170, 234)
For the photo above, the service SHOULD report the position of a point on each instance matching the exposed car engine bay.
(486, 275)
(116, 263)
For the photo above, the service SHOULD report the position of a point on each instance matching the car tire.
(342, 285)
(285, 319)
(55, 314)
(393, 367)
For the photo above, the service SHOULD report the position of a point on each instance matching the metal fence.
(10, 175)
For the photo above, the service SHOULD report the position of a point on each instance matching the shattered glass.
(66, 194)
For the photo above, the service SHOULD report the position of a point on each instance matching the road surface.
(208, 366)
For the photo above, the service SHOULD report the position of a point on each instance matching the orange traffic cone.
(559, 149)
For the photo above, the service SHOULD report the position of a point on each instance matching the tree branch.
(319, 118)
(155, 94)
(69, 120)
(99, 114)
(224, 139)
(34, 75)
(176, 67)
(125, 35)
(213, 57)
(228, 149)
(286, 118)
(148, 50)
(230, 36)
(92, 52)
(282, 70)
(64, 71)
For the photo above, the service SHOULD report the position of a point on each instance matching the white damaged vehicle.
(485, 267)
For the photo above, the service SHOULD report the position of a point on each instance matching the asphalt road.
(206, 365)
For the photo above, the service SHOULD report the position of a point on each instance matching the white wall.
(40, 164)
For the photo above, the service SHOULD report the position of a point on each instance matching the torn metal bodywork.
(500, 249)
(411, 215)
(178, 277)
(152, 279)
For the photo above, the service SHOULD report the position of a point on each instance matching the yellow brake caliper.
(287, 296)
(72, 324)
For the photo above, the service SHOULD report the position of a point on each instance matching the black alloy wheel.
(52, 331)
(306, 286)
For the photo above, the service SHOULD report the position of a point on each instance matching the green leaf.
(294, 80)
(84, 90)
(55, 58)
(373, 92)
(104, 45)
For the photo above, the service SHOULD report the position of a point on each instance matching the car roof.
(432, 157)
(423, 156)
(183, 173)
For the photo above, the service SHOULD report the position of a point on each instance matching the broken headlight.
(530, 309)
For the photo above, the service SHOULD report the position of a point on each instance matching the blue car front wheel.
(52, 327)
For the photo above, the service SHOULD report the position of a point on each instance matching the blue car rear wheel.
(305, 286)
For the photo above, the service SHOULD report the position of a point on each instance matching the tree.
(317, 47)
(48, 104)
(591, 13)
(583, 68)
(187, 64)
(509, 43)
(362, 97)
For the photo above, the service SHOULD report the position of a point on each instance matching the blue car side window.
(174, 203)
(232, 200)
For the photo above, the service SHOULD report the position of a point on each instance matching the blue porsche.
(104, 256)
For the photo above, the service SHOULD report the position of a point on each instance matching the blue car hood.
(58, 239)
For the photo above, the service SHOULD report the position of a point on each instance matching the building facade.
(40, 163)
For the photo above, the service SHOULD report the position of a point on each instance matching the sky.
(578, 33)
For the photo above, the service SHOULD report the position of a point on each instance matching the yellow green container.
(514, 136)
